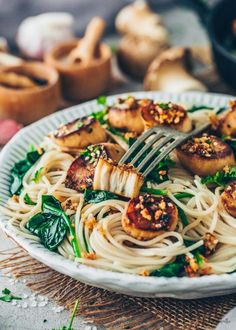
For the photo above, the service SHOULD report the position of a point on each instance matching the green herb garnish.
(102, 100)
(164, 106)
(117, 133)
(52, 224)
(28, 200)
(152, 191)
(195, 108)
(19, 170)
(8, 296)
(37, 175)
(176, 268)
(221, 178)
(160, 173)
(98, 196)
(71, 320)
(182, 216)
(79, 124)
(183, 195)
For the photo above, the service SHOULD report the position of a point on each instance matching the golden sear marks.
(148, 216)
(167, 114)
(205, 155)
(228, 199)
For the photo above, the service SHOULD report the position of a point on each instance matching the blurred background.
(54, 54)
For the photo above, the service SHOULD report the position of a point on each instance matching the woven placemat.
(116, 311)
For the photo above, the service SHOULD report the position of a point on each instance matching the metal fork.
(161, 141)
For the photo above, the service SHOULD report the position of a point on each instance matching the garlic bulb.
(37, 34)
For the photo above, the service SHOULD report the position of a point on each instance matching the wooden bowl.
(30, 104)
(80, 82)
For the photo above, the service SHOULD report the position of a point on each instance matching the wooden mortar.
(30, 104)
(84, 64)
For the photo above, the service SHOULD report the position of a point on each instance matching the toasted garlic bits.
(149, 216)
(167, 114)
(205, 155)
(228, 199)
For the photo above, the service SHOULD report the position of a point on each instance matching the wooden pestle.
(86, 47)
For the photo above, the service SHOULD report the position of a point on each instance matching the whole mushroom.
(144, 38)
(171, 72)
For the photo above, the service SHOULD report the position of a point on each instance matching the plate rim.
(114, 280)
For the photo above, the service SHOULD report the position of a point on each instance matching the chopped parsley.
(221, 178)
(8, 296)
(37, 175)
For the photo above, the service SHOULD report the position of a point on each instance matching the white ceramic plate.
(184, 288)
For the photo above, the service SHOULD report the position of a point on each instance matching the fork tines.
(155, 144)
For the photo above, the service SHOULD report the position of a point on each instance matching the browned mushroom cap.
(167, 114)
(227, 122)
(139, 20)
(228, 199)
(170, 72)
(125, 114)
(149, 216)
(205, 155)
(135, 54)
(80, 133)
(81, 172)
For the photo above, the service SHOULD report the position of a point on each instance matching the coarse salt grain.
(58, 309)
(24, 305)
(42, 303)
(14, 303)
(24, 296)
(33, 304)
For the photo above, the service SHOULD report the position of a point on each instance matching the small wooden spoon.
(85, 50)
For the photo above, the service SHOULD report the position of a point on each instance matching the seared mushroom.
(170, 72)
(80, 133)
(228, 199)
(125, 114)
(81, 172)
(167, 114)
(149, 216)
(205, 155)
(227, 122)
(119, 179)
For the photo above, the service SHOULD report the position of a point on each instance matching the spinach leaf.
(182, 216)
(154, 191)
(28, 200)
(7, 296)
(183, 195)
(51, 229)
(160, 173)
(98, 196)
(19, 170)
(199, 107)
(176, 268)
(52, 224)
(100, 115)
(117, 133)
(181, 213)
(221, 178)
